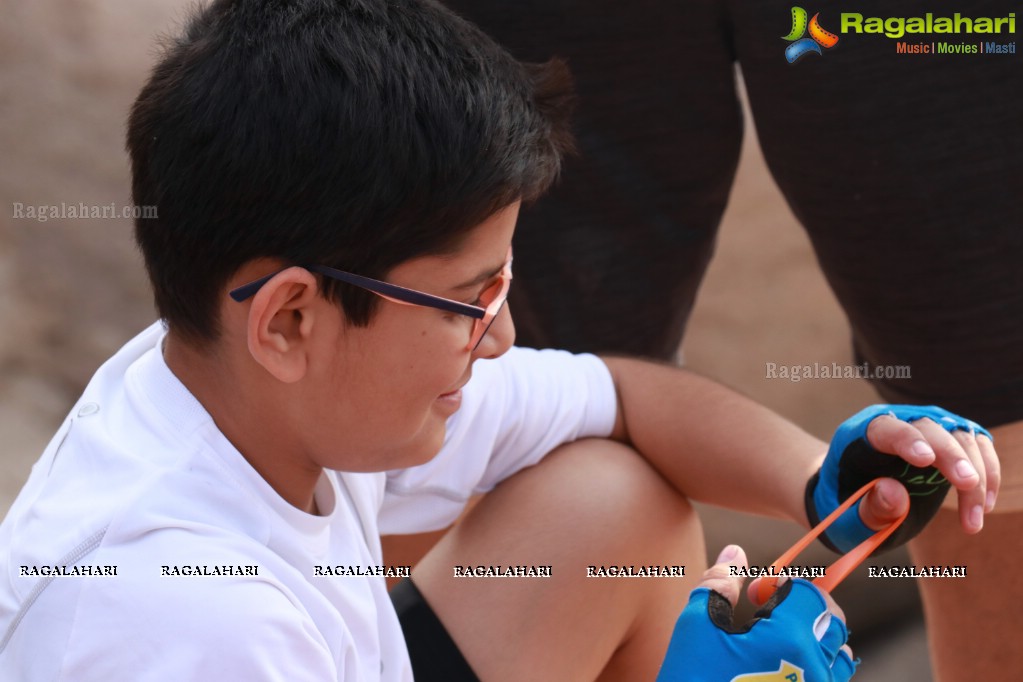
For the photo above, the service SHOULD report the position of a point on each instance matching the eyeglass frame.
(483, 318)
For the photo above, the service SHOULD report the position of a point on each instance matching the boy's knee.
(609, 492)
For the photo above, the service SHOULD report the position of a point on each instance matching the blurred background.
(73, 291)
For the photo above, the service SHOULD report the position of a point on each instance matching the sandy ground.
(74, 290)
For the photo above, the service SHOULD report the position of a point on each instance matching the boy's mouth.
(457, 391)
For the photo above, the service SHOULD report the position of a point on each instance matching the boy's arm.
(717, 446)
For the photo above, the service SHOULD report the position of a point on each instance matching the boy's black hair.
(351, 133)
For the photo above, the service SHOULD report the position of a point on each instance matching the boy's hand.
(799, 634)
(921, 451)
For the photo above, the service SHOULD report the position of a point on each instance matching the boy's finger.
(959, 460)
(891, 435)
(718, 577)
(834, 608)
(992, 467)
(885, 503)
(951, 459)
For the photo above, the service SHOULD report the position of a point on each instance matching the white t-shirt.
(139, 481)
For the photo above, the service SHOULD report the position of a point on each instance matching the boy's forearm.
(713, 444)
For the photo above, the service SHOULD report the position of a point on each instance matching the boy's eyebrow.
(479, 279)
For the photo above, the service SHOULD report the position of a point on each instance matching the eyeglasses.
(492, 298)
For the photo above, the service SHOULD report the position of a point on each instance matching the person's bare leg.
(595, 503)
(409, 550)
(971, 622)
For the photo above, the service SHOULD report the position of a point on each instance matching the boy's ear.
(281, 321)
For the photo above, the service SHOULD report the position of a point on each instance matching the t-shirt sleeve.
(514, 411)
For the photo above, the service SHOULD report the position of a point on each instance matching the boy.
(338, 185)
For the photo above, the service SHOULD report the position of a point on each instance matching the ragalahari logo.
(818, 36)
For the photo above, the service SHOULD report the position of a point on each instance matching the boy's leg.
(971, 621)
(590, 503)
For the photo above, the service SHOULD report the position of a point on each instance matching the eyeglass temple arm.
(248, 290)
(400, 294)
(393, 292)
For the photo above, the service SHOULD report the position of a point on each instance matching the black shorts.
(435, 656)
(905, 170)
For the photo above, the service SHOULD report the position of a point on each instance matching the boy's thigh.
(589, 505)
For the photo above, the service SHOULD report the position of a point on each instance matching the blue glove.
(851, 463)
(792, 638)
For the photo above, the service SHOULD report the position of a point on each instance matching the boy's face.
(378, 396)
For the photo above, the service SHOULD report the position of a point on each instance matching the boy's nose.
(499, 338)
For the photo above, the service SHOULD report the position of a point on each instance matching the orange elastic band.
(844, 565)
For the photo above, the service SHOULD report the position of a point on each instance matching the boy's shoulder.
(130, 530)
(116, 455)
(119, 476)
